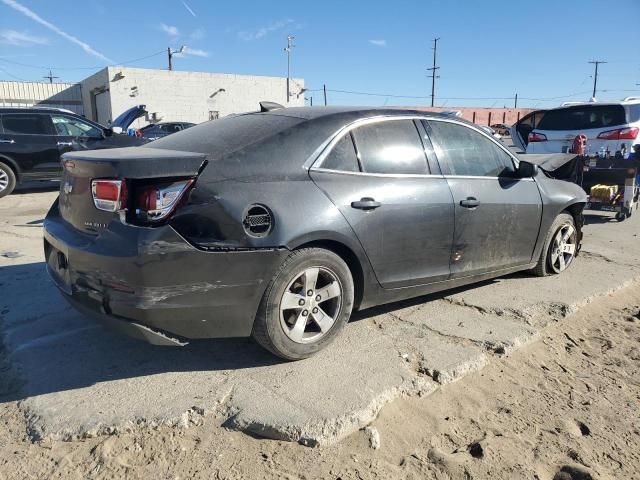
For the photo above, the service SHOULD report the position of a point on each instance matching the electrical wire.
(39, 67)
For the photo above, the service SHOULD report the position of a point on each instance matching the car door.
(74, 134)
(28, 139)
(522, 128)
(378, 176)
(497, 215)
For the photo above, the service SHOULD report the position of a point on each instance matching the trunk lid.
(127, 164)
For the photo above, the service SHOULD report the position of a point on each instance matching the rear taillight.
(155, 202)
(109, 195)
(537, 137)
(629, 133)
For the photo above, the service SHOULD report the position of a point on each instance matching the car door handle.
(7, 141)
(65, 144)
(366, 203)
(470, 202)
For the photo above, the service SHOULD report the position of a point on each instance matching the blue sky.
(487, 51)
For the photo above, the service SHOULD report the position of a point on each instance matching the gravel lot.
(70, 379)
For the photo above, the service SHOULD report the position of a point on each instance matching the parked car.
(491, 132)
(33, 139)
(502, 129)
(279, 224)
(609, 127)
(159, 130)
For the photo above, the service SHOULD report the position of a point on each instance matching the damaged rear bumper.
(150, 283)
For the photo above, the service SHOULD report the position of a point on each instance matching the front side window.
(342, 156)
(464, 151)
(391, 147)
(72, 127)
(25, 124)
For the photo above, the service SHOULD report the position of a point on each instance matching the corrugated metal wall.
(28, 94)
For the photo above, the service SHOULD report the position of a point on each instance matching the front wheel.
(560, 247)
(307, 303)
(7, 180)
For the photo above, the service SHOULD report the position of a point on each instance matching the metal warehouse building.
(168, 95)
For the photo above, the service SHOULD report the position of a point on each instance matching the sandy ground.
(563, 407)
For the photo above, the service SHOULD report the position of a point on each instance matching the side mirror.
(526, 169)
(107, 132)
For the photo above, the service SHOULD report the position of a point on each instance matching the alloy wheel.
(563, 248)
(4, 180)
(310, 304)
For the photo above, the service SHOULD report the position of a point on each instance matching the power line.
(595, 76)
(352, 92)
(40, 67)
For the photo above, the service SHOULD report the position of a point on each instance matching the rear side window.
(342, 156)
(392, 147)
(583, 117)
(464, 151)
(634, 112)
(25, 124)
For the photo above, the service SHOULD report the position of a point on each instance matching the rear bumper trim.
(131, 329)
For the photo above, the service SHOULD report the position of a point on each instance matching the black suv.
(32, 140)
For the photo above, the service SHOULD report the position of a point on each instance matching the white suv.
(609, 127)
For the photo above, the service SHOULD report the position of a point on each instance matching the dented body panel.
(203, 272)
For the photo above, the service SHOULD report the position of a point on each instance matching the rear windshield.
(226, 135)
(583, 117)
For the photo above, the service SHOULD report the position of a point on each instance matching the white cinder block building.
(180, 96)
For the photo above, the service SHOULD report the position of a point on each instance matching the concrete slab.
(75, 379)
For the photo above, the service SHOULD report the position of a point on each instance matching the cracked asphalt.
(74, 379)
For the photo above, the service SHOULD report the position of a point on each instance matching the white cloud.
(21, 39)
(169, 29)
(264, 31)
(196, 52)
(189, 9)
(36, 18)
(378, 43)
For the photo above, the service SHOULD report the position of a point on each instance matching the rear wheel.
(560, 247)
(308, 301)
(7, 180)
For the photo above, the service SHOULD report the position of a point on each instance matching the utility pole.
(595, 76)
(50, 77)
(324, 88)
(515, 103)
(290, 45)
(433, 71)
(171, 53)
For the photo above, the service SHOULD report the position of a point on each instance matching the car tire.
(306, 304)
(550, 261)
(7, 180)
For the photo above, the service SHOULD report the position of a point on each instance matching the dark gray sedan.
(279, 224)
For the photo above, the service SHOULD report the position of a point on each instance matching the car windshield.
(583, 117)
(229, 134)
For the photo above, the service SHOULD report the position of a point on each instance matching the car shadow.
(34, 187)
(412, 302)
(591, 219)
(46, 346)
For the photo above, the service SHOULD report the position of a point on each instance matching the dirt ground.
(564, 407)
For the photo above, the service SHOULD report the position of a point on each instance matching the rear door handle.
(470, 202)
(365, 203)
(65, 144)
(7, 141)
